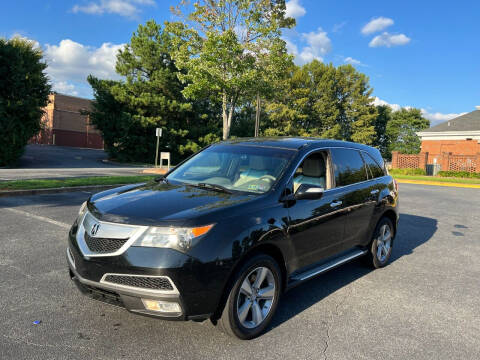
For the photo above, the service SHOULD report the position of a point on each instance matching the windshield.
(234, 167)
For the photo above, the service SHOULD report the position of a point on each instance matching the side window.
(312, 171)
(375, 169)
(348, 167)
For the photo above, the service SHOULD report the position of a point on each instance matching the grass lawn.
(439, 179)
(69, 182)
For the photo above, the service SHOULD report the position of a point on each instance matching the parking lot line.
(38, 217)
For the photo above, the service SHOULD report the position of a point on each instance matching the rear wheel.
(253, 298)
(381, 245)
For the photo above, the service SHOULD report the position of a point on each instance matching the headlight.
(170, 237)
(81, 211)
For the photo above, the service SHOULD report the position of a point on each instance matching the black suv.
(228, 230)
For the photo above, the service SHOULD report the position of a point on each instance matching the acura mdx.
(228, 230)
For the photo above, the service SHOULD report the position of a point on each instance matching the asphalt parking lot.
(48, 161)
(424, 305)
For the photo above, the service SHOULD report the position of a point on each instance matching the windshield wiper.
(214, 187)
(161, 179)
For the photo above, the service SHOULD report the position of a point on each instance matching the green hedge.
(407, 172)
(459, 174)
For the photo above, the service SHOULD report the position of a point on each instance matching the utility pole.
(257, 116)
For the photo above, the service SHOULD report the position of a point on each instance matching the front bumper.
(126, 296)
(197, 286)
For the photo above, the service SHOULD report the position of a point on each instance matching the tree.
(225, 48)
(24, 90)
(381, 140)
(128, 111)
(402, 128)
(322, 100)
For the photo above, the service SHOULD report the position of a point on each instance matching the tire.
(381, 244)
(249, 309)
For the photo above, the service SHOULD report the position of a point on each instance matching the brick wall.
(63, 124)
(447, 161)
(460, 147)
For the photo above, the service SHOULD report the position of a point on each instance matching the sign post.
(159, 134)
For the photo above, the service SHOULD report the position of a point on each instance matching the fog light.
(162, 306)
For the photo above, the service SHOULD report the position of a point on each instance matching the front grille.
(103, 245)
(146, 282)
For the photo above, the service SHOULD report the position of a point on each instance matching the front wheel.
(382, 242)
(253, 298)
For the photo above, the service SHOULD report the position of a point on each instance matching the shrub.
(407, 172)
(460, 174)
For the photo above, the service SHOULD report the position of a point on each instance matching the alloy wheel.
(384, 242)
(255, 297)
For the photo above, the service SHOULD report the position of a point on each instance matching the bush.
(407, 172)
(24, 92)
(459, 174)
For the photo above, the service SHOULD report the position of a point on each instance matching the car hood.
(161, 204)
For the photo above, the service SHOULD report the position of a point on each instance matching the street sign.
(158, 133)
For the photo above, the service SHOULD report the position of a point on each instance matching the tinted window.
(375, 169)
(348, 166)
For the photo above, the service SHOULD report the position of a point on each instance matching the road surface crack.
(326, 341)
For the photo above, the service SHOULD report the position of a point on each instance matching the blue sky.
(417, 53)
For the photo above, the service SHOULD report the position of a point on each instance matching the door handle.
(373, 192)
(335, 204)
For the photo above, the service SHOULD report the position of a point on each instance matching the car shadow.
(413, 231)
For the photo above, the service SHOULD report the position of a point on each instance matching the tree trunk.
(257, 116)
(226, 128)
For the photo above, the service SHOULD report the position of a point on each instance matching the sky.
(422, 54)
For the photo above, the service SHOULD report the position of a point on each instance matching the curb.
(113, 162)
(437, 183)
(160, 171)
(95, 188)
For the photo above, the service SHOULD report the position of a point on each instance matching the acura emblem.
(95, 228)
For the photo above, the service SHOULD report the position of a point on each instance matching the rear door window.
(375, 170)
(348, 167)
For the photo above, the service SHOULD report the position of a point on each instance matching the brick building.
(65, 125)
(459, 136)
(454, 145)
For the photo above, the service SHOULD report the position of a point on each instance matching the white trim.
(135, 232)
(153, 291)
(449, 135)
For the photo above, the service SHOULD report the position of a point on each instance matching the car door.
(316, 227)
(351, 175)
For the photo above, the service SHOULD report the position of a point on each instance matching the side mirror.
(309, 192)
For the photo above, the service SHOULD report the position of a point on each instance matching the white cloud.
(378, 102)
(352, 61)
(72, 61)
(435, 118)
(64, 87)
(310, 46)
(127, 8)
(388, 40)
(318, 45)
(318, 41)
(376, 25)
(338, 27)
(294, 9)
(291, 47)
